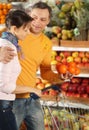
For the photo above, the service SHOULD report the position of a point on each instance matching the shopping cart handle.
(54, 87)
(34, 96)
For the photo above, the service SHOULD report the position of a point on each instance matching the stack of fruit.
(4, 9)
(77, 87)
(64, 63)
(72, 59)
(41, 84)
(72, 21)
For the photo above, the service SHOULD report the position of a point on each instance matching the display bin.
(79, 44)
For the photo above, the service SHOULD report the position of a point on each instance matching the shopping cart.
(64, 118)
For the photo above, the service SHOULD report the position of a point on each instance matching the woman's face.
(22, 32)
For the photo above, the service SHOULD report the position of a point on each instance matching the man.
(37, 53)
(6, 54)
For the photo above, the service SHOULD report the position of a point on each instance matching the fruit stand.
(68, 109)
(70, 44)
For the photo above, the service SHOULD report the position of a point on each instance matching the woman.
(17, 25)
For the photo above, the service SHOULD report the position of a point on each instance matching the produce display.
(4, 9)
(17, 0)
(77, 87)
(69, 21)
(41, 84)
(71, 59)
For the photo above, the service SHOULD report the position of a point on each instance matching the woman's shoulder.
(4, 42)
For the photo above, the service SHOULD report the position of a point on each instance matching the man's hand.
(6, 54)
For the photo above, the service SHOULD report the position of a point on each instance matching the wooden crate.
(69, 43)
(78, 100)
(84, 70)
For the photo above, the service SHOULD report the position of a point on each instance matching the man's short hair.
(43, 5)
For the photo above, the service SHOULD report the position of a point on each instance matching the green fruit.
(77, 4)
(62, 15)
(66, 7)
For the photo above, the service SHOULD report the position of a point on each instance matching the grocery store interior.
(66, 104)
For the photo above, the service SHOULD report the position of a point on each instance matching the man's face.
(41, 19)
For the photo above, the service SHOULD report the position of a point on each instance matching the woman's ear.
(13, 29)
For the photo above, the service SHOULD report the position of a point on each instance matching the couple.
(36, 49)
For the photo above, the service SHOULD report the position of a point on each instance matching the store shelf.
(58, 48)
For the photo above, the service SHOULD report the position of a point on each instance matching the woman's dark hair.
(43, 5)
(17, 18)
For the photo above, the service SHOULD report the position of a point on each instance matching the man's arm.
(6, 54)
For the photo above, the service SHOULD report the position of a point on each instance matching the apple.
(47, 85)
(53, 92)
(87, 89)
(40, 86)
(74, 87)
(45, 93)
(69, 94)
(67, 53)
(75, 54)
(64, 32)
(57, 2)
(38, 80)
(54, 53)
(65, 86)
(84, 60)
(81, 89)
(87, 54)
(58, 58)
(84, 95)
(69, 59)
(64, 37)
(80, 65)
(77, 59)
(76, 80)
(77, 95)
(86, 65)
(85, 80)
(70, 89)
(56, 29)
(44, 81)
(58, 65)
(61, 54)
(55, 41)
(59, 35)
(84, 84)
(81, 54)
(64, 60)
(53, 62)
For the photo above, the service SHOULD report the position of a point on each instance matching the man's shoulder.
(47, 38)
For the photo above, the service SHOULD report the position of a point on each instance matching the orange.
(1, 12)
(72, 69)
(4, 5)
(5, 11)
(72, 64)
(77, 71)
(2, 21)
(1, 6)
(2, 16)
(9, 6)
(62, 69)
